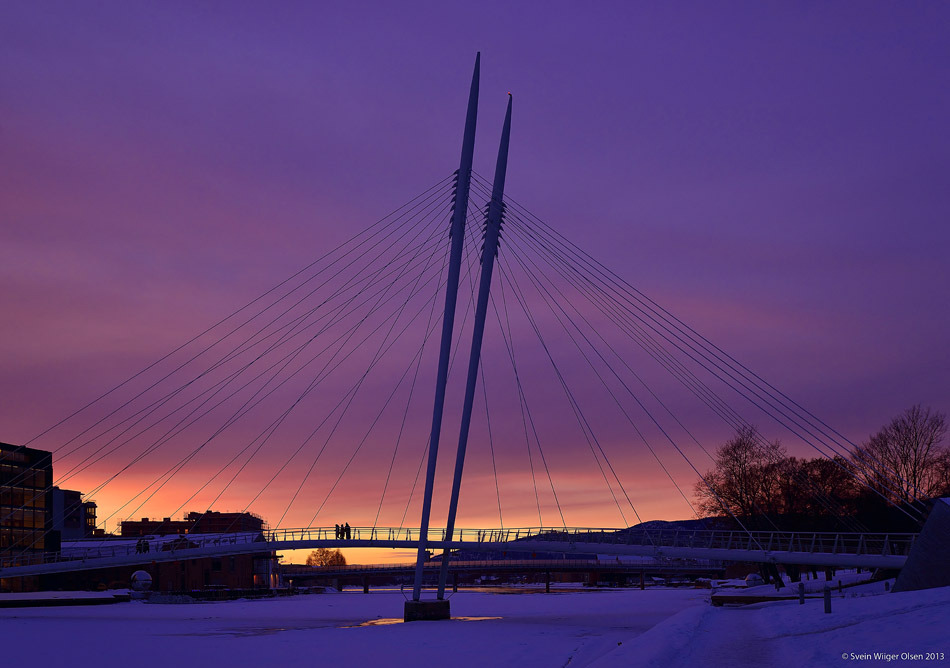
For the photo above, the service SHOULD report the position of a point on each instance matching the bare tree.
(942, 473)
(748, 478)
(753, 477)
(833, 489)
(322, 557)
(907, 458)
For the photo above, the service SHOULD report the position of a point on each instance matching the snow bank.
(866, 624)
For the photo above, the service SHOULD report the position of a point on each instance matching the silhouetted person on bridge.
(339, 531)
(346, 531)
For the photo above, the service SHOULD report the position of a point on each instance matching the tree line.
(756, 480)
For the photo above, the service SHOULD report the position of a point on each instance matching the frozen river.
(601, 628)
(340, 629)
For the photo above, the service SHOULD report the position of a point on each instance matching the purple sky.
(775, 174)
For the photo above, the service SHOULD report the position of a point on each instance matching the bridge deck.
(864, 550)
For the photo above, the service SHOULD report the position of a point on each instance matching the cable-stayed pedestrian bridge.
(305, 404)
(864, 550)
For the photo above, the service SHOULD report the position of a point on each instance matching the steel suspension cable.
(598, 269)
(735, 389)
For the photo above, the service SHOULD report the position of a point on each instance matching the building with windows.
(73, 518)
(26, 500)
(37, 517)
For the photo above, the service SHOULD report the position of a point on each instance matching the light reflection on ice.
(397, 620)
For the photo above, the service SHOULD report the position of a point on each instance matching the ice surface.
(604, 628)
(534, 630)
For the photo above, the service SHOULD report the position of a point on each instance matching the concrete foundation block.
(426, 611)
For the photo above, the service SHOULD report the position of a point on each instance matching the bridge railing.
(887, 544)
(790, 541)
(411, 535)
(104, 548)
(897, 544)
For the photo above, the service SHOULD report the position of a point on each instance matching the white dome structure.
(141, 581)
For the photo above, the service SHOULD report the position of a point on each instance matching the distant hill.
(706, 523)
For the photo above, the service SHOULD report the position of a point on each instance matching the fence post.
(801, 593)
(827, 599)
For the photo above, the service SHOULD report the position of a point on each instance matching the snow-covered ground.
(866, 625)
(604, 628)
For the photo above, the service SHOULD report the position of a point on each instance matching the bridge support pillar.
(432, 610)
(927, 565)
(643, 581)
(493, 221)
(365, 585)
(459, 211)
(547, 583)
